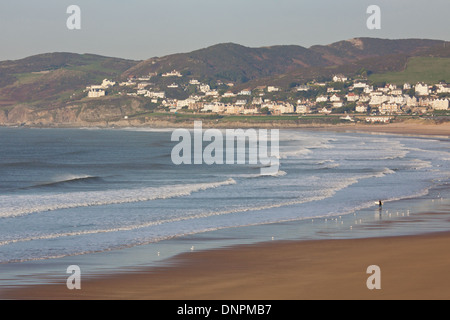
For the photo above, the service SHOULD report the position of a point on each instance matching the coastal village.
(340, 95)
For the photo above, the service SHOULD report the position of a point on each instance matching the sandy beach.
(412, 267)
(407, 127)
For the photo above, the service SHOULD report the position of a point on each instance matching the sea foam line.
(13, 206)
(325, 193)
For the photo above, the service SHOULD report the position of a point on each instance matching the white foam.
(12, 206)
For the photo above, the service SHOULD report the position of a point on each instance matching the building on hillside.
(359, 85)
(204, 88)
(173, 73)
(303, 88)
(335, 98)
(229, 94)
(301, 108)
(339, 78)
(361, 108)
(422, 89)
(440, 104)
(442, 88)
(411, 101)
(321, 99)
(245, 92)
(352, 97)
(96, 92)
(387, 108)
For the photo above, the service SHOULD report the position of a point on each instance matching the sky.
(141, 29)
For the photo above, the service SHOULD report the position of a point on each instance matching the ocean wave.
(324, 193)
(71, 179)
(418, 164)
(19, 205)
(295, 153)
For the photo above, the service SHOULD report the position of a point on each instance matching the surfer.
(380, 204)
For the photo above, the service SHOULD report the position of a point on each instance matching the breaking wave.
(12, 206)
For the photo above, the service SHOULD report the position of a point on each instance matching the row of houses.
(389, 99)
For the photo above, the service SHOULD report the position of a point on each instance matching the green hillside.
(418, 69)
(53, 77)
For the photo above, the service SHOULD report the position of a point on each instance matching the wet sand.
(412, 267)
(407, 127)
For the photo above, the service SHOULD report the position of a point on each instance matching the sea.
(112, 199)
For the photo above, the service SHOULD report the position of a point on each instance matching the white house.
(368, 89)
(359, 85)
(283, 108)
(204, 88)
(234, 109)
(411, 101)
(339, 78)
(396, 92)
(216, 107)
(301, 108)
(174, 73)
(397, 99)
(96, 92)
(303, 88)
(229, 94)
(440, 104)
(151, 94)
(142, 92)
(378, 119)
(422, 89)
(335, 98)
(322, 99)
(378, 99)
(257, 100)
(107, 83)
(251, 110)
(241, 102)
(213, 93)
(272, 89)
(386, 108)
(442, 88)
(338, 104)
(361, 108)
(245, 92)
(351, 97)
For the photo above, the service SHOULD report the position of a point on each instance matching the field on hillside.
(419, 69)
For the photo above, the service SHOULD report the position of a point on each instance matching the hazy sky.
(140, 29)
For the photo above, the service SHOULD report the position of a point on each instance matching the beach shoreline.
(408, 127)
(412, 267)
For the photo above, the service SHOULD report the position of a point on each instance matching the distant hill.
(52, 76)
(233, 62)
(53, 80)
